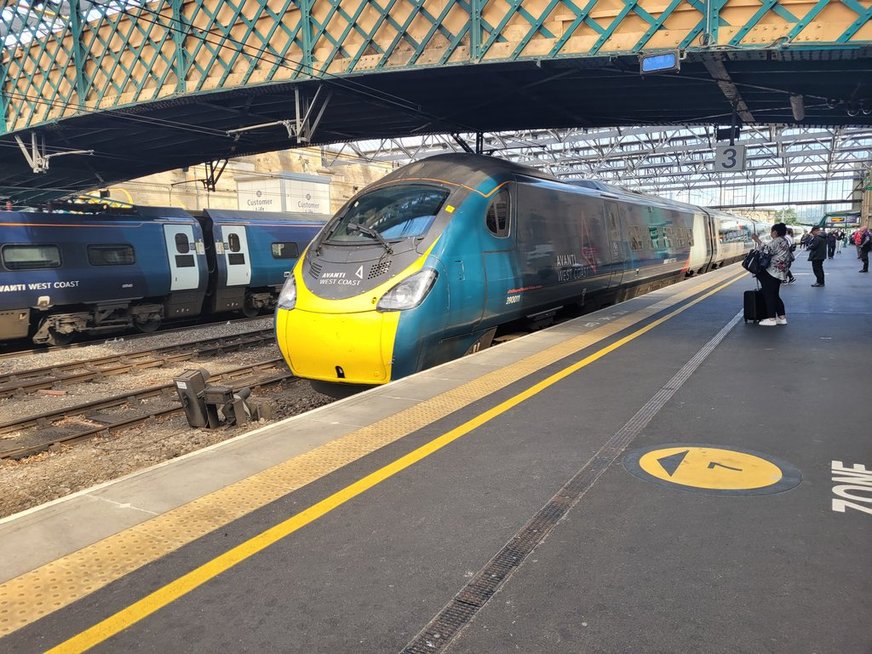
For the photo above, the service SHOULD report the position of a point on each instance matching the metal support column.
(4, 103)
(475, 27)
(76, 28)
(306, 31)
(180, 61)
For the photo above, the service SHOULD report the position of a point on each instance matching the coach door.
(182, 255)
(618, 252)
(236, 255)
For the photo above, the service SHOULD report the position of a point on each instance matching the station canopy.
(783, 165)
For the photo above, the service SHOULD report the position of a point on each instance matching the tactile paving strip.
(451, 620)
(59, 583)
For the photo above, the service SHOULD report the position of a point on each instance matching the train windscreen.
(395, 213)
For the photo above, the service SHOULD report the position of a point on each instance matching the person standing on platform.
(792, 245)
(831, 244)
(775, 274)
(817, 252)
(804, 239)
(864, 247)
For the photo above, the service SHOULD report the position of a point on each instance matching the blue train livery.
(63, 274)
(430, 262)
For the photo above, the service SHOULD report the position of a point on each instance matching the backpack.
(858, 236)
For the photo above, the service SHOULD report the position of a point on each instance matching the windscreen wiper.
(363, 229)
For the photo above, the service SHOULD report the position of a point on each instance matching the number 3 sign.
(729, 158)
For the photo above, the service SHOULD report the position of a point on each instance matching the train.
(63, 274)
(430, 262)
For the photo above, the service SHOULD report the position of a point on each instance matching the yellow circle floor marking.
(713, 469)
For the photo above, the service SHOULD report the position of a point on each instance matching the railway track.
(33, 434)
(79, 372)
(25, 348)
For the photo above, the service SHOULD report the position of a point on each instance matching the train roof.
(242, 215)
(135, 214)
(463, 168)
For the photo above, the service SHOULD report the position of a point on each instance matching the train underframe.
(47, 327)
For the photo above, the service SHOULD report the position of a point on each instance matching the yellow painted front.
(361, 344)
(319, 334)
(713, 468)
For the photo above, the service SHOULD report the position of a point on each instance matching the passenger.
(804, 239)
(817, 252)
(831, 244)
(864, 247)
(792, 244)
(772, 278)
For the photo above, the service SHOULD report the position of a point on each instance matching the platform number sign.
(730, 158)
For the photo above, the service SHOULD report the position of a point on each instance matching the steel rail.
(49, 417)
(117, 364)
(172, 328)
(36, 448)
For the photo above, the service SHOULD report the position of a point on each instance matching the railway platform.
(657, 476)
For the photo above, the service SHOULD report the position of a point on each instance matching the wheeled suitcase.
(755, 305)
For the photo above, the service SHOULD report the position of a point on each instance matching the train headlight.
(409, 293)
(288, 296)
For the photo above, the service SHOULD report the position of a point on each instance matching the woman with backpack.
(775, 273)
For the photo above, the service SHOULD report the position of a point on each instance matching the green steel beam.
(306, 27)
(475, 35)
(864, 15)
(76, 28)
(629, 5)
(254, 42)
(4, 102)
(180, 63)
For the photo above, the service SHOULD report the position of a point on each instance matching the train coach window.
(30, 257)
(183, 246)
(111, 255)
(233, 242)
(498, 214)
(285, 250)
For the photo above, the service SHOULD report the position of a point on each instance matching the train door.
(182, 255)
(618, 250)
(501, 274)
(236, 255)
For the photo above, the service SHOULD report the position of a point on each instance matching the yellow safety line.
(199, 576)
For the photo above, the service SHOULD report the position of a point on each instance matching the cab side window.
(498, 213)
(288, 250)
(30, 257)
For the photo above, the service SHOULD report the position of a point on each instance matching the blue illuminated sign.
(660, 63)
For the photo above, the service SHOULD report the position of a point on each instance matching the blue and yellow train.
(63, 274)
(427, 264)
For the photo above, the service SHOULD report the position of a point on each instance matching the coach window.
(30, 257)
(285, 250)
(182, 244)
(233, 242)
(498, 214)
(111, 255)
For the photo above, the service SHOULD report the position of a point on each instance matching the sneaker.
(791, 280)
(780, 320)
(863, 271)
(768, 322)
(817, 284)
